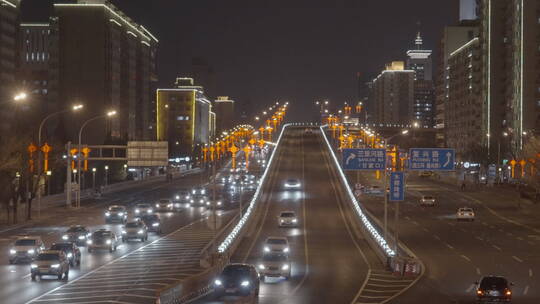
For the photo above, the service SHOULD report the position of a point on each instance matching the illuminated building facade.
(184, 118)
(393, 95)
(106, 61)
(224, 108)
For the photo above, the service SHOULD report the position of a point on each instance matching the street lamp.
(107, 115)
(94, 178)
(20, 96)
(106, 175)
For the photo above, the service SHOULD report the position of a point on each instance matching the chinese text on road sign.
(431, 159)
(364, 159)
(397, 186)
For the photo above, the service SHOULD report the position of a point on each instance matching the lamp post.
(74, 108)
(106, 175)
(108, 114)
(94, 179)
(385, 224)
(49, 173)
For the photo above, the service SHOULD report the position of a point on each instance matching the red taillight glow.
(479, 292)
(508, 293)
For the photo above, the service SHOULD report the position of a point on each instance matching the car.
(135, 230)
(164, 205)
(116, 213)
(292, 183)
(152, 222)
(308, 131)
(72, 252)
(77, 234)
(199, 200)
(427, 200)
(25, 248)
(237, 280)
(102, 239)
(276, 244)
(198, 191)
(143, 208)
(50, 262)
(218, 203)
(287, 219)
(275, 265)
(493, 289)
(182, 197)
(465, 214)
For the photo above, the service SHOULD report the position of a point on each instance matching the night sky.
(296, 50)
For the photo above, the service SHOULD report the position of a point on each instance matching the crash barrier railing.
(402, 265)
(194, 286)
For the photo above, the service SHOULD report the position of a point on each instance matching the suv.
(493, 289)
(143, 208)
(292, 183)
(135, 230)
(50, 262)
(25, 248)
(275, 265)
(71, 250)
(152, 222)
(287, 219)
(76, 234)
(102, 239)
(237, 279)
(164, 204)
(116, 213)
(182, 197)
(427, 200)
(276, 244)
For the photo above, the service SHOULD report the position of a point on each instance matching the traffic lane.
(472, 243)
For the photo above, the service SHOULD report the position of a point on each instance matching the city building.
(224, 108)
(467, 10)
(105, 60)
(420, 61)
(464, 113)
(453, 37)
(184, 119)
(393, 95)
(510, 39)
(9, 31)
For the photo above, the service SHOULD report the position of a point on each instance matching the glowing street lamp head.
(20, 96)
(326, 102)
(77, 107)
(111, 113)
(405, 132)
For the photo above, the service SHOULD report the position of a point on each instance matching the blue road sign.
(397, 186)
(424, 159)
(364, 159)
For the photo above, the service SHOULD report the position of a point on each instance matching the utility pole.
(68, 174)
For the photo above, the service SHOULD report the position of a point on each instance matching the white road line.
(478, 272)
(425, 229)
(465, 257)
(530, 273)
(526, 290)
(496, 247)
(407, 218)
(520, 238)
(479, 238)
(416, 223)
(437, 237)
(449, 246)
(517, 259)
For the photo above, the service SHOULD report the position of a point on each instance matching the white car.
(276, 244)
(275, 265)
(164, 204)
(465, 214)
(287, 219)
(25, 248)
(427, 200)
(141, 209)
(292, 183)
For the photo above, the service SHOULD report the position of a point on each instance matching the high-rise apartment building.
(105, 60)
(184, 118)
(393, 95)
(224, 108)
(420, 61)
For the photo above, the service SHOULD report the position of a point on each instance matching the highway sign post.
(397, 186)
(429, 159)
(364, 159)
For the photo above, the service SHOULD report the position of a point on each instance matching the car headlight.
(219, 203)
(12, 251)
(245, 283)
(31, 251)
(294, 220)
(187, 196)
(108, 242)
(33, 266)
(192, 201)
(177, 197)
(285, 267)
(107, 214)
(124, 232)
(140, 231)
(193, 191)
(157, 205)
(169, 205)
(89, 242)
(70, 255)
(55, 265)
(177, 205)
(137, 211)
(155, 224)
(121, 214)
(218, 282)
(261, 267)
(81, 237)
(65, 237)
(286, 249)
(207, 203)
(149, 210)
(266, 249)
(203, 191)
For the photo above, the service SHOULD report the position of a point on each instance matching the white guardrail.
(383, 244)
(236, 230)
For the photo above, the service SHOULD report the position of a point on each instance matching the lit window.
(180, 118)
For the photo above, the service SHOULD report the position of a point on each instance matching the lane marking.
(437, 237)
(526, 290)
(479, 238)
(449, 246)
(470, 288)
(517, 259)
(530, 273)
(478, 272)
(416, 223)
(496, 247)
(465, 257)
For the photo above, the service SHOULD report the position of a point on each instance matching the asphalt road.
(17, 287)
(331, 262)
(456, 253)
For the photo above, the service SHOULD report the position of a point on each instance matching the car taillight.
(508, 293)
(479, 292)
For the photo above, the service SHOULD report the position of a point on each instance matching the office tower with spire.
(419, 60)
